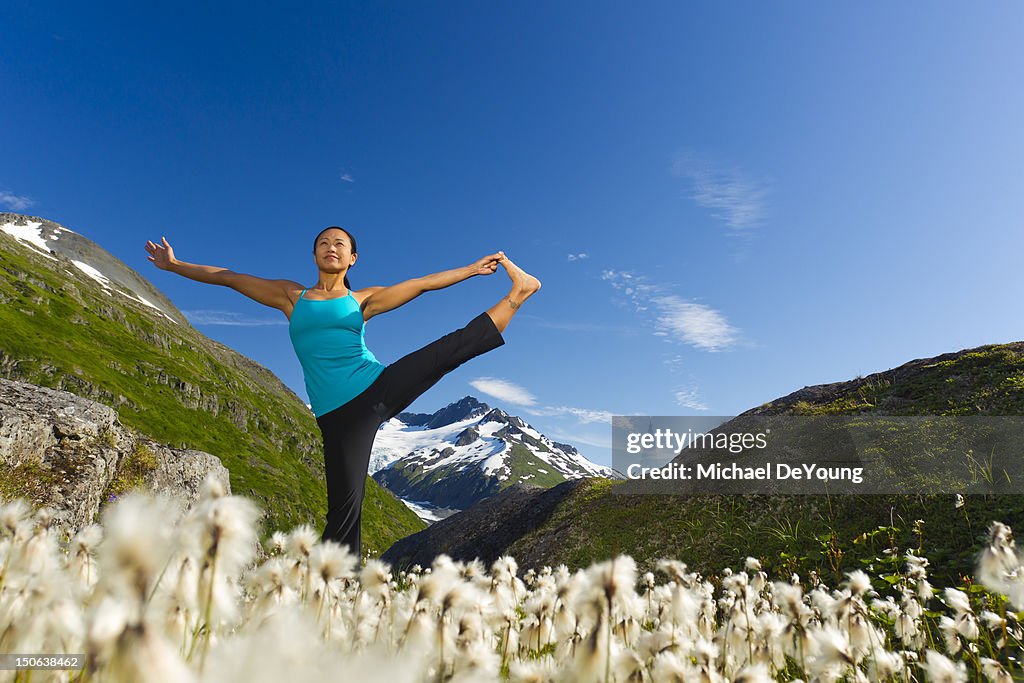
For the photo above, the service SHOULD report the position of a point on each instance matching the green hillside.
(827, 534)
(60, 329)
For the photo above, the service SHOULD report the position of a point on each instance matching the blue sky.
(725, 201)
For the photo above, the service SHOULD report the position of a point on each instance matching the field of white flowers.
(155, 594)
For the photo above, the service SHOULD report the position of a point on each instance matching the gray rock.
(63, 451)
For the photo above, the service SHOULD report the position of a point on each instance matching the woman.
(350, 391)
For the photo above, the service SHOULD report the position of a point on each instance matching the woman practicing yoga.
(350, 391)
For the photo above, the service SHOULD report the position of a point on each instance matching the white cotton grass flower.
(859, 583)
(940, 669)
(753, 673)
(957, 600)
(309, 613)
(33, 550)
(218, 595)
(220, 532)
(442, 579)
(60, 622)
(270, 584)
(223, 528)
(142, 655)
(301, 541)
(211, 488)
(675, 570)
(285, 646)
(136, 546)
(541, 670)
(107, 620)
(593, 654)
(505, 581)
(627, 666)
(884, 665)
(82, 557)
(420, 633)
(13, 515)
(829, 650)
(278, 543)
(374, 579)
(330, 561)
(177, 599)
(1000, 567)
(994, 671)
(614, 579)
(671, 668)
(477, 662)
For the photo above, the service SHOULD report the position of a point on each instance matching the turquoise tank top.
(329, 339)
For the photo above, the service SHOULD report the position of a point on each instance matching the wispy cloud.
(347, 177)
(229, 318)
(584, 415)
(636, 287)
(15, 202)
(689, 398)
(672, 316)
(585, 439)
(578, 257)
(734, 198)
(504, 391)
(510, 392)
(694, 324)
(571, 326)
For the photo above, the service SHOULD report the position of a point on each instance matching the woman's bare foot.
(524, 285)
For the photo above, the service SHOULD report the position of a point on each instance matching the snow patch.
(93, 273)
(428, 512)
(31, 234)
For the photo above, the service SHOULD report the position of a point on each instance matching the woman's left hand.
(488, 264)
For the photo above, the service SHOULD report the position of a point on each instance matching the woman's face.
(334, 251)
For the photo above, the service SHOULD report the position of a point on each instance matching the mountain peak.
(81, 257)
(463, 409)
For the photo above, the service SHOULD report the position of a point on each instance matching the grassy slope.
(176, 386)
(524, 463)
(798, 533)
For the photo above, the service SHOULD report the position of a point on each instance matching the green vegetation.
(829, 535)
(131, 473)
(802, 533)
(988, 380)
(28, 480)
(523, 462)
(176, 386)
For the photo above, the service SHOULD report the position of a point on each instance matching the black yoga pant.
(348, 431)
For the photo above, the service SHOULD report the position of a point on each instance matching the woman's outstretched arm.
(384, 299)
(273, 293)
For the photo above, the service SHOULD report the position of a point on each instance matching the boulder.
(72, 455)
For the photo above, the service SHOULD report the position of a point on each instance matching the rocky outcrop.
(484, 531)
(73, 455)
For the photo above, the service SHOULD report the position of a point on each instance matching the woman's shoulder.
(292, 289)
(360, 295)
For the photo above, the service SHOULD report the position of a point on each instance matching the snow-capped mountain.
(88, 259)
(467, 451)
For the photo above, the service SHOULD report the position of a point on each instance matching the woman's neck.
(331, 282)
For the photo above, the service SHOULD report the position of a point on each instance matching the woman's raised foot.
(523, 283)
